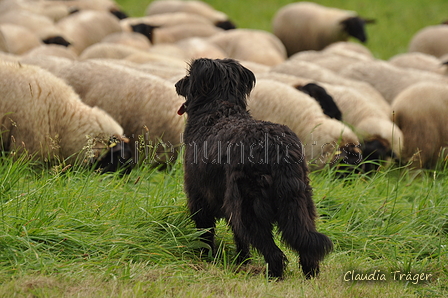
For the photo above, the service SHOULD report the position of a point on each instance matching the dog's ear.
(247, 80)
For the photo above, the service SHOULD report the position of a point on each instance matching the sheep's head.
(355, 26)
(110, 155)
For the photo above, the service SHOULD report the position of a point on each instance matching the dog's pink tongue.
(181, 110)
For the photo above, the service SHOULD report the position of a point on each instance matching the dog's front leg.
(242, 250)
(205, 221)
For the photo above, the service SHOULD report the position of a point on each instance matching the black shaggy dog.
(251, 172)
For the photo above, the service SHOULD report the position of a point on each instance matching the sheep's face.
(355, 26)
(112, 155)
(348, 159)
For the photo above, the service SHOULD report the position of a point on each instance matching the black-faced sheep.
(420, 112)
(200, 8)
(375, 129)
(143, 104)
(44, 116)
(251, 45)
(432, 40)
(322, 137)
(305, 26)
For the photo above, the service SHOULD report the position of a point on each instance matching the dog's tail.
(296, 221)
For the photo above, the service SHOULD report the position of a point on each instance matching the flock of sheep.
(80, 76)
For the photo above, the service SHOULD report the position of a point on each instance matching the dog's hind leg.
(296, 223)
(251, 217)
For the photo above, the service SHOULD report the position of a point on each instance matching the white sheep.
(49, 9)
(368, 122)
(322, 137)
(373, 126)
(157, 58)
(196, 47)
(108, 51)
(171, 34)
(432, 40)
(388, 79)
(420, 61)
(165, 20)
(143, 104)
(85, 28)
(320, 74)
(51, 63)
(3, 43)
(19, 39)
(420, 112)
(52, 50)
(41, 25)
(343, 47)
(44, 116)
(200, 8)
(335, 59)
(132, 39)
(97, 5)
(251, 45)
(305, 26)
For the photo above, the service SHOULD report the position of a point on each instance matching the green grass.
(69, 232)
(396, 20)
(73, 232)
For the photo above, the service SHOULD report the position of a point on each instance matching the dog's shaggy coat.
(251, 172)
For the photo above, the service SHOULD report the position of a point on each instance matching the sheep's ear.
(369, 21)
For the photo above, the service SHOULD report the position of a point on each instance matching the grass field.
(69, 232)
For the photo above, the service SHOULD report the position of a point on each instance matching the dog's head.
(210, 81)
